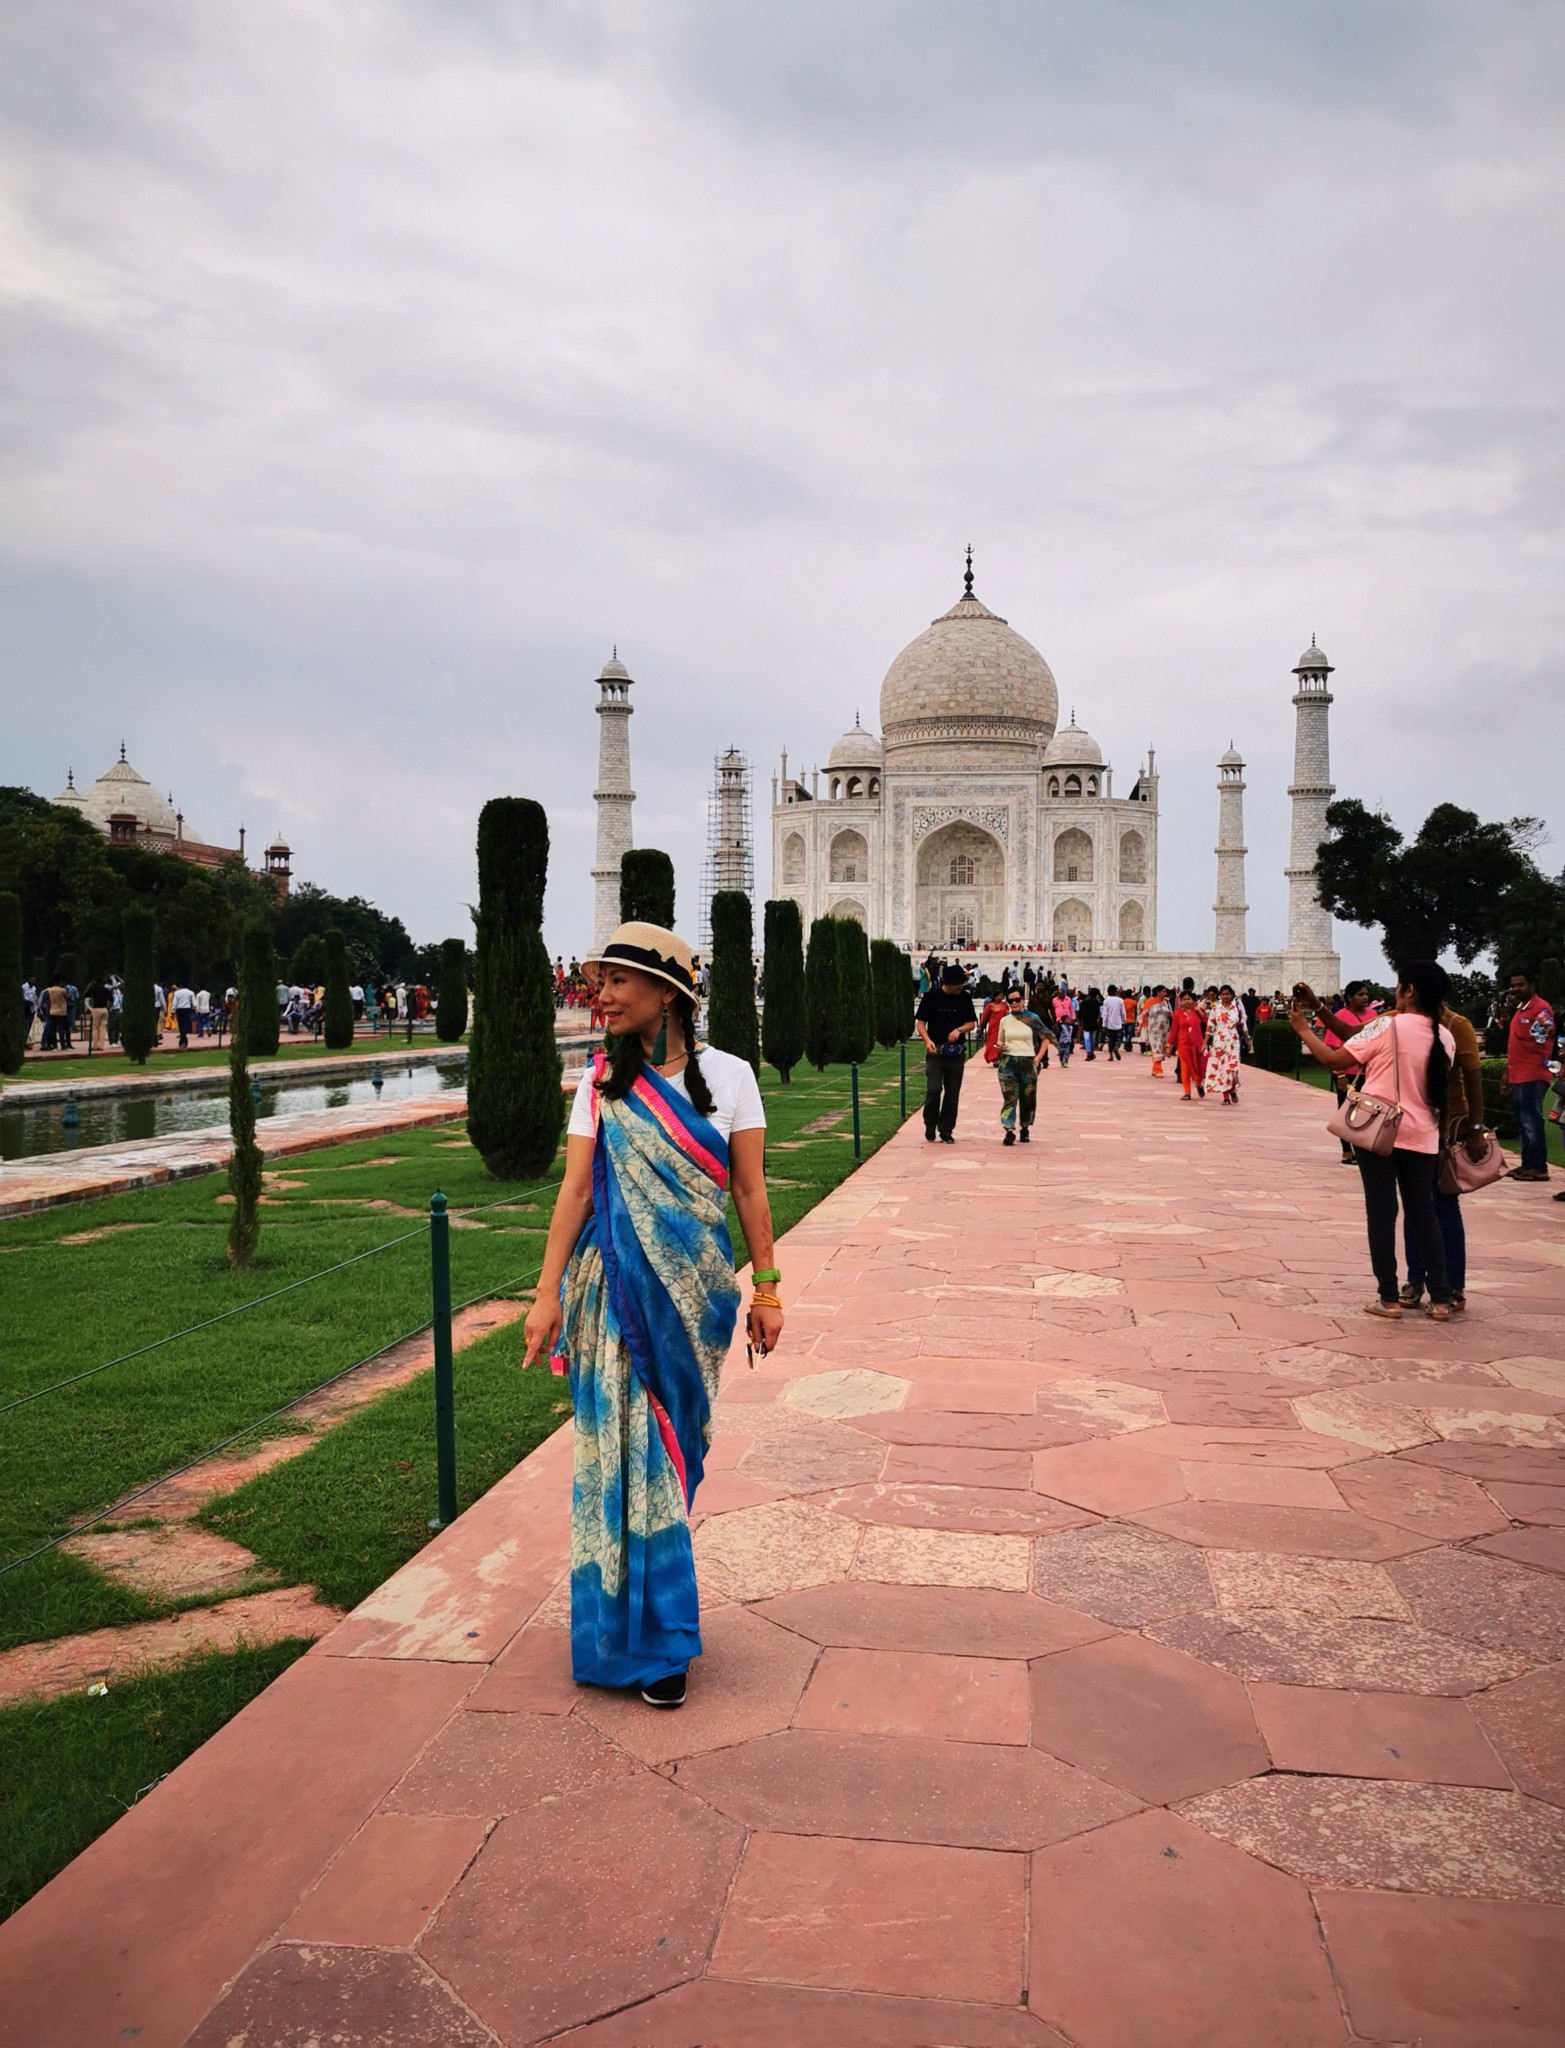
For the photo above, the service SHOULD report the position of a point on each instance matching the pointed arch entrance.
(961, 887)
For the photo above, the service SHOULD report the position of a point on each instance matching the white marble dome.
(121, 791)
(1073, 748)
(856, 749)
(969, 681)
(1313, 657)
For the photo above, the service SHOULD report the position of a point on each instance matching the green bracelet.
(770, 1274)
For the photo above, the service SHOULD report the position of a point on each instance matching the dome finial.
(70, 778)
(122, 750)
(967, 580)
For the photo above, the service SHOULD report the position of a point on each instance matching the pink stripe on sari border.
(687, 1143)
(670, 1442)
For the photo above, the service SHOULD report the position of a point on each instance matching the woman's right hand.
(542, 1328)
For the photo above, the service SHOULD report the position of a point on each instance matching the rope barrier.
(212, 1451)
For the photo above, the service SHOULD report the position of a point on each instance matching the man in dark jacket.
(945, 1021)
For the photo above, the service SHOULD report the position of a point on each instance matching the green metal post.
(858, 1150)
(445, 1397)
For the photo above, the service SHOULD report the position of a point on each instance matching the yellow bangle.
(765, 1301)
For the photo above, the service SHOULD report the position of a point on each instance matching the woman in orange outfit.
(1187, 1041)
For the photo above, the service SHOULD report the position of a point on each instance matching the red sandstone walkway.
(1113, 1638)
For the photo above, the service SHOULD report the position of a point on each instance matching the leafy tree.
(646, 887)
(731, 1022)
(892, 978)
(308, 965)
(56, 862)
(13, 1024)
(258, 989)
(1531, 925)
(377, 945)
(855, 994)
(139, 1030)
(821, 984)
(451, 1002)
(515, 1105)
(337, 1006)
(246, 1159)
(1442, 892)
(782, 1021)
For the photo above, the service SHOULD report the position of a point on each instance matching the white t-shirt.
(1113, 1014)
(736, 1097)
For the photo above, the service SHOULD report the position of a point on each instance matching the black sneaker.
(1026, 1137)
(929, 1137)
(946, 1138)
(665, 1692)
(1009, 1138)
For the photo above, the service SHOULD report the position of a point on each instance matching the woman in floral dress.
(1226, 1032)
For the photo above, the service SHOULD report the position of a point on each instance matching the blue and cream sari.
(650, 1301)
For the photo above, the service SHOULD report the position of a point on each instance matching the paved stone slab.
(1311, 1649)
(305, 1997)
(964, 1794)
(1247, 1580)
(916, 1693)
(1525, 1721)
(1441, 1505)
(956, 1465)
(1108, 1476)
(1297, 1532)
(383, 1889)
(1447, 1973)
(1270, 1486)
(1150, 1934)
(1121, 1575)
(1344, 1734)
(1542, 1549)
(876, 1916)
(537, 1891)
(737, 2015)
(756, 1553)
(1544, 1505)
(1144, 1717)
(1455, 1840)
(970, 1429)
(941, 1557)
(485, 1765)
(532, 1675)
(1486, 1600)
(996, 1510)
(859, 1391)
(957, 1620)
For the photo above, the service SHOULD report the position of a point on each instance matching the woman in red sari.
(1187, 1042)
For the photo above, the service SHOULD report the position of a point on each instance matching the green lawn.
(73, 1766)
(346, 1512)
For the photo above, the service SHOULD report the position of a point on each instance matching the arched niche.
(793, 858)
(977, 861)
(849, 908)
(849, 857)
(1132, 857)
(1132, 925)
(1073, 856)
(1073, 925)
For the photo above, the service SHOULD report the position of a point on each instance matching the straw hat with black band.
(649, 948)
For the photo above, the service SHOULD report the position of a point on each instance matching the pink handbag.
(1369, 1121)
(1460, 1172)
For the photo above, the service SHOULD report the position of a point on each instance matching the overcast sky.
(370, 369)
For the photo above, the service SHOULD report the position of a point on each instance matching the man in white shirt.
(184, 1013)
(203, 1012)
(1113, 1020)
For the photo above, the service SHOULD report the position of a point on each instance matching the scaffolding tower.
(730, 843)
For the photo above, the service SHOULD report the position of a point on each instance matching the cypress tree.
(309, 963)
(451, 1001)
(13, 1025)
(731, 1022)
(515, 1105)
(646, 887)
(258, 988)
(337, 1008)
(782, 1020)
(820, 993)
(246, 1159)
(892, 980)
(139, 1031)
(855, 999)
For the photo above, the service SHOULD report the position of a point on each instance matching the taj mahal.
(977, 825)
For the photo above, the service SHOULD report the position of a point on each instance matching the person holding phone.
(637, 1300)
(1408, 1042)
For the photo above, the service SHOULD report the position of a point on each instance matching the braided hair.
(629, 1057)
(1430, 984)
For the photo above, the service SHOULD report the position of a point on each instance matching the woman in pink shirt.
(1410, 1040)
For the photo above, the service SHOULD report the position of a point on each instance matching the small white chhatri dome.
(1233, 758)
(614, 670)
(968, 682)
(1073, 748)
(856, 749)
(1312, 658)
(71, 795)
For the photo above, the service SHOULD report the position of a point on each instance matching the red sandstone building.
(128, 811)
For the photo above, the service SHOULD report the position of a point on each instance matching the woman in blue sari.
(637, 1300)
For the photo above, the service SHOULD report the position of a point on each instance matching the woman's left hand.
(765, 1326)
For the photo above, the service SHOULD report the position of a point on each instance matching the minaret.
(1231, 850)
(1309, 923)
(730, 856)
(613, 795)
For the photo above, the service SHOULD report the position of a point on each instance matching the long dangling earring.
(660, 1050)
